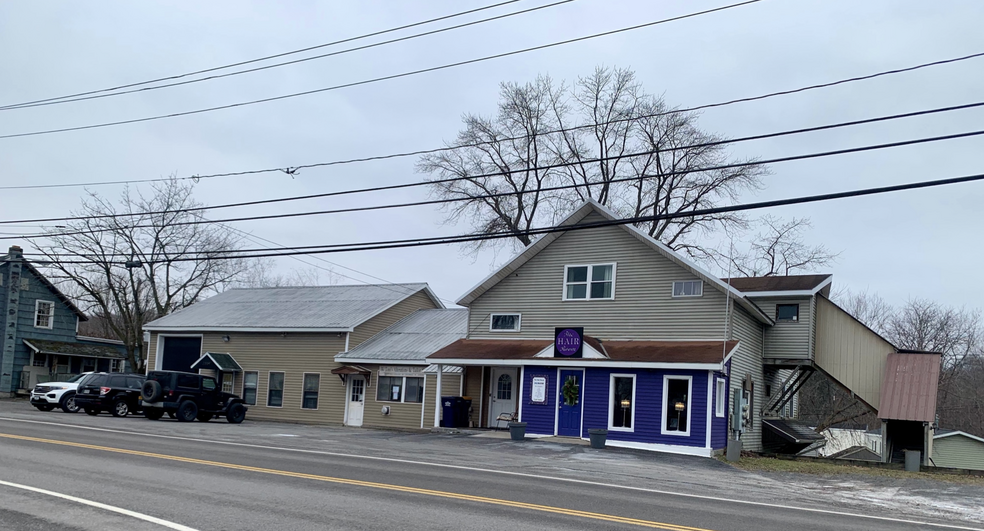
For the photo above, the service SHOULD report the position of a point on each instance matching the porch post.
(437, 398)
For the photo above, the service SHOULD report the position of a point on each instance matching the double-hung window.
(589, 282)
(621, 408)
(676, 405)
(250, 380)
(275, 391)
(312, 384)
(44, 313)
(407, 389)
(688, 288)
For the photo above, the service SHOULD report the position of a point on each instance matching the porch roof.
(642, 352)
(217, 362)
(76, 348)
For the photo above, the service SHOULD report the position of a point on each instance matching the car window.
(76, 378)
(134, 382)
(188, 381)
(95, 380)
(117, 381)
(208, 384)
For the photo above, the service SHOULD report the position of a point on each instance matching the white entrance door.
(357, 399)
(504, 390)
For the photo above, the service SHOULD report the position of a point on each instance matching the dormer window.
(44, 312)
(787, 312)
(588, 282)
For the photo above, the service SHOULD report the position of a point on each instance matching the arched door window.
(504, 387)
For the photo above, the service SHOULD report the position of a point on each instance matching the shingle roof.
(909, 387)
(76, 348)
(319, 308)
(778, 283)
(414, 337)
(626, 351)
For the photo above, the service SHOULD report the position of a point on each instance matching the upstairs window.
(688, 288)
(44, 312)
(787, 312)
(505, 322)
(584, 282)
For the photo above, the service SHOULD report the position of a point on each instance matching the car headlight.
(56, 388)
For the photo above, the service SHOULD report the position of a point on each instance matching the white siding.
(788, 339)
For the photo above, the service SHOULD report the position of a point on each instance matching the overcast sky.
(911, 244)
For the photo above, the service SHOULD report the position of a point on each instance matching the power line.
(500, 173)
(260, 59)
(378, 79)
(287, 63)
(292, 169)
(441, 240)
(734, 165)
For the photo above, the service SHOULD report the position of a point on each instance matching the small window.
(40, 360)
(118, 382)
(400, 389)
(88, 364)
(228, 382)
(688, 288)
(134, 382)
(414, 390)
(44, 312)
(250, 380)
(312, 384)
(275, 391)
(622, 403)
(787, 312)
(721, 398)
(116, 365)
(503, 389)
(589, 282)
(676, 405)
(505, 322)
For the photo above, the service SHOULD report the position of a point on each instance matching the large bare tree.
(778, 249)
(619, 145)
(147, 233)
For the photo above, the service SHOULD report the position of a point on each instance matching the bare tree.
(604, 135)
(869, 308)
(264, 275)
(146, 232)
(779, 249)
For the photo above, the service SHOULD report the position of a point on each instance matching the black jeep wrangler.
(189, 396)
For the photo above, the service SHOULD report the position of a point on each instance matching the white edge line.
(120, 510)
(505, 473)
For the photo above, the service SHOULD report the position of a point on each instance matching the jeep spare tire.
(236, 413)
(187, 411)
(152, 391)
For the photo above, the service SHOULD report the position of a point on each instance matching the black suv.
(117, 393)
(189, 396)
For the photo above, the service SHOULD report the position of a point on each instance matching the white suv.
(49, 395)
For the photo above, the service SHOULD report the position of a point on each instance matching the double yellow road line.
(370, 484)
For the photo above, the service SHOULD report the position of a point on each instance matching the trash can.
(448, 406)
(517, 431)
(598, 438)
(913, 458)
(462, 412)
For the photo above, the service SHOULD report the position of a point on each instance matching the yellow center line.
(371, 484)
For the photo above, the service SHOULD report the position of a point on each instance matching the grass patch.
(771, 464)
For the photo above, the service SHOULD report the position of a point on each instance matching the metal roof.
(791, 430)
(314, 309)
(414, 337)
(909, 387)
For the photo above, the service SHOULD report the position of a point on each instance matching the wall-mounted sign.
(539, 392)
(401, 370)
(568, 342)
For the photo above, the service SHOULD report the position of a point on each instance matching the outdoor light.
(225, 339)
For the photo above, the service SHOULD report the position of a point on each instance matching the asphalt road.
(252, 484)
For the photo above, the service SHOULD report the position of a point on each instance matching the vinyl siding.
(643, 307)
(719, 425)
(748, 360)
(417, 301)
(957, 451)
(473, 390)
(849, 352)
(450, 386)
(402, 415)
(786, 339)
(539, 418)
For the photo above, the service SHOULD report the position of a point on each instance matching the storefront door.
(357, 399)
(504, 391)
(569, 411)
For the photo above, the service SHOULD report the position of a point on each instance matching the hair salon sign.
(568, 342)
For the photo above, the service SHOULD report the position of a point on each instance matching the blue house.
(40, 331)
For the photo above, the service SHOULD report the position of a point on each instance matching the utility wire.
(383, 78)
(733, 165)
(521, 170)
(286, 63)
(441, 240)
(260, 59)
(293, 169)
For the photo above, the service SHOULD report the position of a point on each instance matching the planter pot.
(517, 431)
(598, 438)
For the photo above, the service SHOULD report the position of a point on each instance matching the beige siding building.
(956, 449)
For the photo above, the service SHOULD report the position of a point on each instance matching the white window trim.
(690, 396)
(675, 296)
(519, 321)
(303, 376)
(588, 282)
(283, 396)
(403, 390)
(796, 320)
(243, 393)
(611, 402)
(720, 396)
(51, 316)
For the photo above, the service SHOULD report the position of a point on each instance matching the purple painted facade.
(539, 417)
(719, 425)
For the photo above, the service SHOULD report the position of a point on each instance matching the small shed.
(957, 449)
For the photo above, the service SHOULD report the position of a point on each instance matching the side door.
(569, 403)
(504, 389)
(356, 399)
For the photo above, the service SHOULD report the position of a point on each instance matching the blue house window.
(622, 402)
(676, 405)
(44, 312)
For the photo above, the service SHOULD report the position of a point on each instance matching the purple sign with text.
(568, 342)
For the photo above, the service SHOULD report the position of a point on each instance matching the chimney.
(15, 253)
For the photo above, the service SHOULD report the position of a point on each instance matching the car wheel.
(152, 391)
(187, 411)
(153, 414)
(68, 404)
(43, 407)
(90, 411)
(120, 408)
(236, 413)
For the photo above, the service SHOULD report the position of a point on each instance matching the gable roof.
(412, 338)
(576, 217)
(294, 309)
(941, 433)
(51, 287)
(781, 285)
